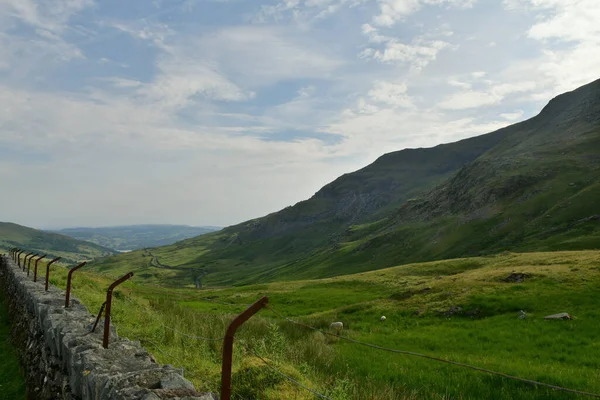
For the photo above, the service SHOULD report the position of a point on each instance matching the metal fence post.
(228, 345)
(25, 260)
(19, 257)
(29, 263)
(48, 270)
(35, 268)
(68, 295)
(108, 305)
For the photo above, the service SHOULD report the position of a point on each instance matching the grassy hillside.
(532, 186)
(52, 244)
(134, 237)
(464, 310)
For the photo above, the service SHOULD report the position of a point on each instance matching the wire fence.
(158, 320)
(287, 319)
(289, 378)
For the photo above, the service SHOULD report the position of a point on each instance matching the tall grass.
(556, 352)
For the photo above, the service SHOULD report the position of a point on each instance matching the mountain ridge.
(500, 191)
(52, 244)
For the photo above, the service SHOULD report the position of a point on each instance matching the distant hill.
(52, 244)
(132, 237)
(532, 186)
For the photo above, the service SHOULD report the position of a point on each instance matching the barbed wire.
(289, 378)
(411, 353)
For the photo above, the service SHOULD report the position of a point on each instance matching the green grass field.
(487, 333)
(12, 381)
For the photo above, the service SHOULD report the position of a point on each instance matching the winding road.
(199, 274)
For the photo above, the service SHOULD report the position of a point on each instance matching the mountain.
(52, 244)
(531, 186)
(132, 237)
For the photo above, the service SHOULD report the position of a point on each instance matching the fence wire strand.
(411, 353)
(155, 318)
(289, 378)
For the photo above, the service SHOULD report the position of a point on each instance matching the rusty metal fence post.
(228, 345)
(18, 260)
(48, 270)
(35, 268)
(29, 262)
(68, 295)
(108, 306)
(25, 260)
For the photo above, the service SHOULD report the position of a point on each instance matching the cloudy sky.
(217, 111)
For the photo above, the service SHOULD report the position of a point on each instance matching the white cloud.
(303, 12)
(470, 99)
(123, 83)
(418, 54)
(49, 15)
(307, 91)
(392, 11)
(573, 24)
(258, 55)
(180, 79)
(513, 116)
(491, 95)
(228, 65)
(458, 83)
(390, 93)
(48, 20)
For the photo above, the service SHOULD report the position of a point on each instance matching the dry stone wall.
(63, 360)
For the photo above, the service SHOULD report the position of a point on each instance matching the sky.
(212, 112)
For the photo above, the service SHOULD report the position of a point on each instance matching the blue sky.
(217, 111)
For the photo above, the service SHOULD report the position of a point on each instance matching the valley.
(52, 244)
(133, 237)
(441, 265)
(463, 310)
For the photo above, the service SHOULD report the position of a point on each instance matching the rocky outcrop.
(63, 360)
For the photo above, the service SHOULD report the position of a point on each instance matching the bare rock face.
(64, 360)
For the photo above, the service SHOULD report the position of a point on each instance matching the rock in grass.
(563, 315)
(516, 278)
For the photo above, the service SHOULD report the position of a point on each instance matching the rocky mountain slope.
(534, 185)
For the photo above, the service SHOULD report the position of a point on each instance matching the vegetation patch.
(12, 380)
(470, 317)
